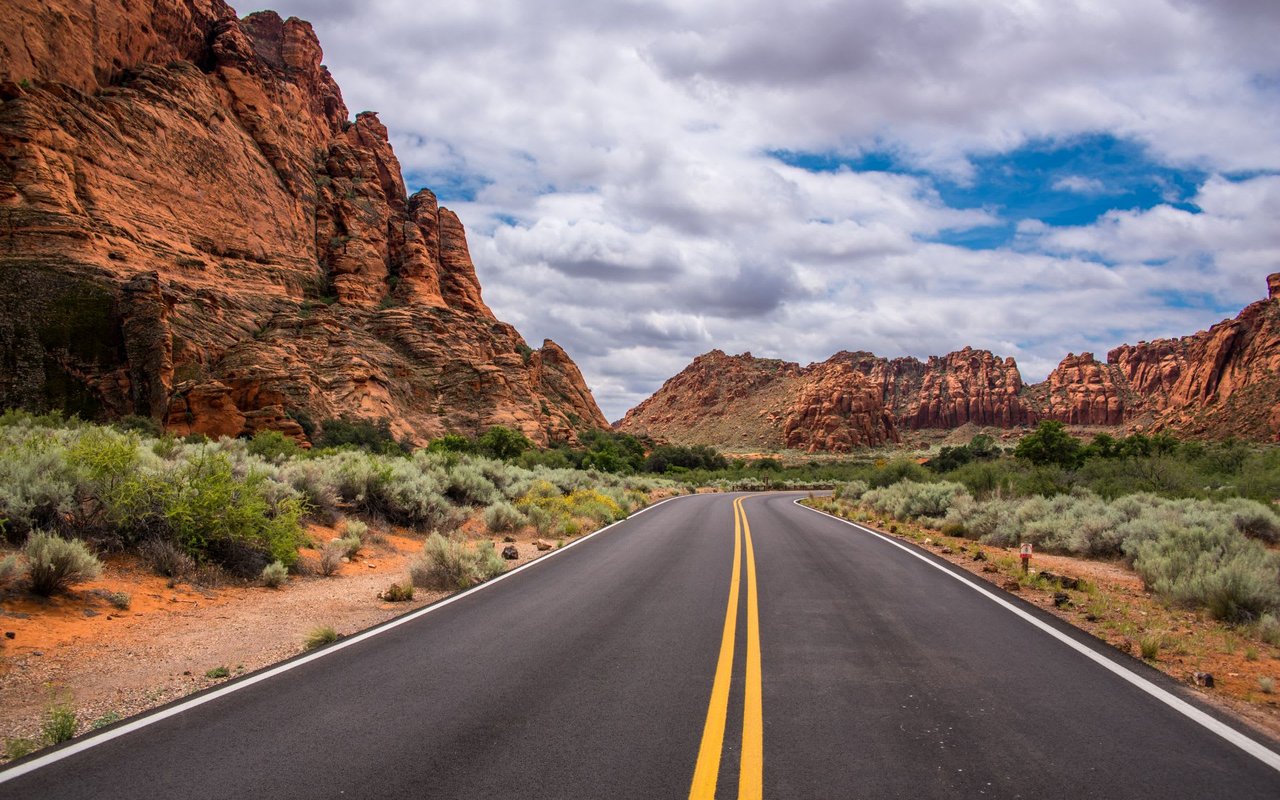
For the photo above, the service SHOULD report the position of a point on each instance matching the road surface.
(639, 663)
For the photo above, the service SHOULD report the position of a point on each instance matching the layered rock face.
(1219, 382)
(192, 229)
(836, 410)
(739, 401)
(969, 386)
(1083, 391)
(1216, 383)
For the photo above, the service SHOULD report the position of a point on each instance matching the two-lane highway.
(712, 646)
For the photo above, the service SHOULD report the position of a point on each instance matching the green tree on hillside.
(1050, 444)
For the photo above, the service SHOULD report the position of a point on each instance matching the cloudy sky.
(644, 181)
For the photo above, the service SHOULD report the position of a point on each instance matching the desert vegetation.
(72, 491)
(1194, 520)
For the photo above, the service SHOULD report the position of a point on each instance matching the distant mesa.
(1214, 384)
(193, 229)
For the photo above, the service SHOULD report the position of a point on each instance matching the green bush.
(274, 446)
(851, 491)
(55, 564)
(503, 443)
(206, 508)
(1237, 580)
(19, 746)
(60, 723)
(319, 637)
(502, 516)
(275, 574)
(1050, 445)
(374, 436)
(350, 545)
(398, 593)
(452, 564)
(907, 500)
(354, 528)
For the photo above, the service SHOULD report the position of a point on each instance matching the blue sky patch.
(1060, 182)
(449, 187)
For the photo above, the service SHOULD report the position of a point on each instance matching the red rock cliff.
(837, 409)
(192, 229)
(1220, 382)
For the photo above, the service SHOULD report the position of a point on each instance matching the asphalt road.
(620, 668)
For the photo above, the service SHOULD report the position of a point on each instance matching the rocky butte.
(1213, 384)
(193, 229)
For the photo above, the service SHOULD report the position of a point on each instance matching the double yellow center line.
(751, 770)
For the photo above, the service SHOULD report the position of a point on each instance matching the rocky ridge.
(1216, 383)
(193, 229)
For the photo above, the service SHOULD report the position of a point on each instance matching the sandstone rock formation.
(721, 399)
(836, 410)
(192, 229)
(1084, 391)
(969, 386)
(1216, 383)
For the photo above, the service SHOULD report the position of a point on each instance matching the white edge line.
(163, 714)
(1235, 737)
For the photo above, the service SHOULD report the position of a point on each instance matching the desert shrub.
(1150, 646)
(54, 564)
(60, 723)
(166, 558)
(371, 435)
(910, 500)
(468, 485)
(1235, 579)
(37, 485)
(594, 504)
(275, 574)
(218, 672)
(985, 478)
(120, 600)
(331, 557)
(899, 469)
(452, 564)
(503, 516)
(9, 570)
(544, 520)
(851, 491)
(570, 528)
(208, 509)
(398, 592)
(1253, 519)
(319, 637)
(1268, 629)
(350, 545)
(19, 746)
(314, 479)
(354, 528)
(274, 446)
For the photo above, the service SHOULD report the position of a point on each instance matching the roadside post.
(1024, 553)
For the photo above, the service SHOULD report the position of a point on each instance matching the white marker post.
(1024, 553)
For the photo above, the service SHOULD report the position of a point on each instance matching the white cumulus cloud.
(625, 202)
